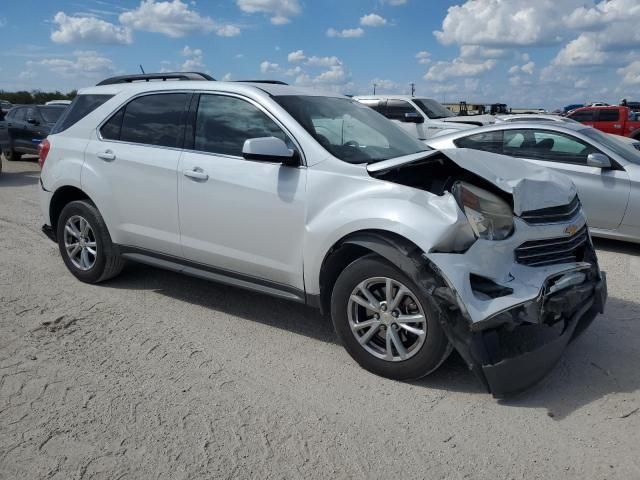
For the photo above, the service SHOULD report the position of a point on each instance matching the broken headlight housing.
(491, 218)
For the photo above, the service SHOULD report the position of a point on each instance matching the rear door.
(131, 169)
(16, 127)
(245, 217)
(608, 120)
(35, 128)
(604, 193)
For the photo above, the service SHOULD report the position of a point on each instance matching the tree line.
(37, 97)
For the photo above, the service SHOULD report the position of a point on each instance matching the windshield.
(51, 114)
(350, 130)
(625, 150)
(433, 109)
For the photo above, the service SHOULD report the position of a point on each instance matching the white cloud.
(394, 3)
(84, 64)
(294, 72)
(505, 23)
(346, 33)
(423, 57)
(227, 77)
(174, 19)
(383, 85)
(476, 51)
(373, 20)
(335, 75)
(187, 51)
(72, 29)
(582, 51)
(268, 67)
(297, 56)
(602, 14)
(194, 62)
(526, 68)
(281, 11)
(441, 71)
(631, 73)
(323, 61)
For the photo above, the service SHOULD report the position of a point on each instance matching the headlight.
(490, 217)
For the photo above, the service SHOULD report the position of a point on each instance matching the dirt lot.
(156, 375)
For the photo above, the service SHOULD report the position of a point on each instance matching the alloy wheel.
(80, 243)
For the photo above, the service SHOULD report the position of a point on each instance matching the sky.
(526, 53)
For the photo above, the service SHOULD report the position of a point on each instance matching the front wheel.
(386, 322)
(85, 243)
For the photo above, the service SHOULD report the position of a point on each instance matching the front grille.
(537, 253)
(552, 214)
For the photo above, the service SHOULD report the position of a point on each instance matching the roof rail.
(273, 82)
(145, 77)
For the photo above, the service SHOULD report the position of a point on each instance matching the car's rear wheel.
(386, 322)
(85, 243)
(11, 155)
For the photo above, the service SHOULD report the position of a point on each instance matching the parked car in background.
(318, 199)
(393, 106)
(410, 116)
(572, 107)
(605, 169)
(5, 106)
(617, 120)
(23, 128)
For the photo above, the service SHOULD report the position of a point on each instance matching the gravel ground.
(156, 375)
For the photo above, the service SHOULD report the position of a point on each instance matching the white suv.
(321, 200)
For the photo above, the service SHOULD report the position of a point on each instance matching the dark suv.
(25, 127)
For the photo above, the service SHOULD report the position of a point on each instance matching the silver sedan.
(606, 170)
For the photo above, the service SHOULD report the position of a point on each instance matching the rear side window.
(609, 115)
(583, 116)
(81, 106)
(487, 141)
(155, 119)
(19, 114)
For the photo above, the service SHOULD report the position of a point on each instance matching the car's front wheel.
(386, 322)
(85, 243)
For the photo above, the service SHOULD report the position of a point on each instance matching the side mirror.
(32, 121)
(413, 117)
(599, 160)
(270, 149)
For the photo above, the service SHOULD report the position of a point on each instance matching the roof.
(557, 126)
(392, 96)
(199, 85)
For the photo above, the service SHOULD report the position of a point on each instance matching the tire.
(102, 261)
(421, 356)
(12, 156)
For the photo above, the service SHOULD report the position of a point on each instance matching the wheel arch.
(394, 248)
(62, 197)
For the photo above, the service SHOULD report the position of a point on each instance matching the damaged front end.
(511, 304)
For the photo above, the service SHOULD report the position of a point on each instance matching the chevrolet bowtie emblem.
(571, 230)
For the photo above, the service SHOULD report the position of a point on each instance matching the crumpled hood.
(533, 187)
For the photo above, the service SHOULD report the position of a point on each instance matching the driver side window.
(546, 145)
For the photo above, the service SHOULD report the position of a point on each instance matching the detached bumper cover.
(515, 349)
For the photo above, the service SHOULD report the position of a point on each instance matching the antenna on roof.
(142, 69)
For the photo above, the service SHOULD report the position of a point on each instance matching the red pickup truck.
(617, 120)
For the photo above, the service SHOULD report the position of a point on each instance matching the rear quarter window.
(81, 106)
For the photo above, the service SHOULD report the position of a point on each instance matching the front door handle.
(196, 173)
(106, 155)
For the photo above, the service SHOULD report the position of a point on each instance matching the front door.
(241, 216)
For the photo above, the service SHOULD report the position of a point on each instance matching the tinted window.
(19, 114)
(31, 114)
(224, 123)
(51, 114)
(487, 141)
(111, 129)
(546, 145)
(609, 115)
(154, 120)
(397, 108)
(80, 107)
(583, 116)
(433, 109)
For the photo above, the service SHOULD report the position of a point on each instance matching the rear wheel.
(11, 155)
(385, 322)
(85, 243)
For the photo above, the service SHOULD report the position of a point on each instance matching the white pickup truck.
(423, 118)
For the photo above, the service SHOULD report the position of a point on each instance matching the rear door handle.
(107, 155)
(196, 173)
